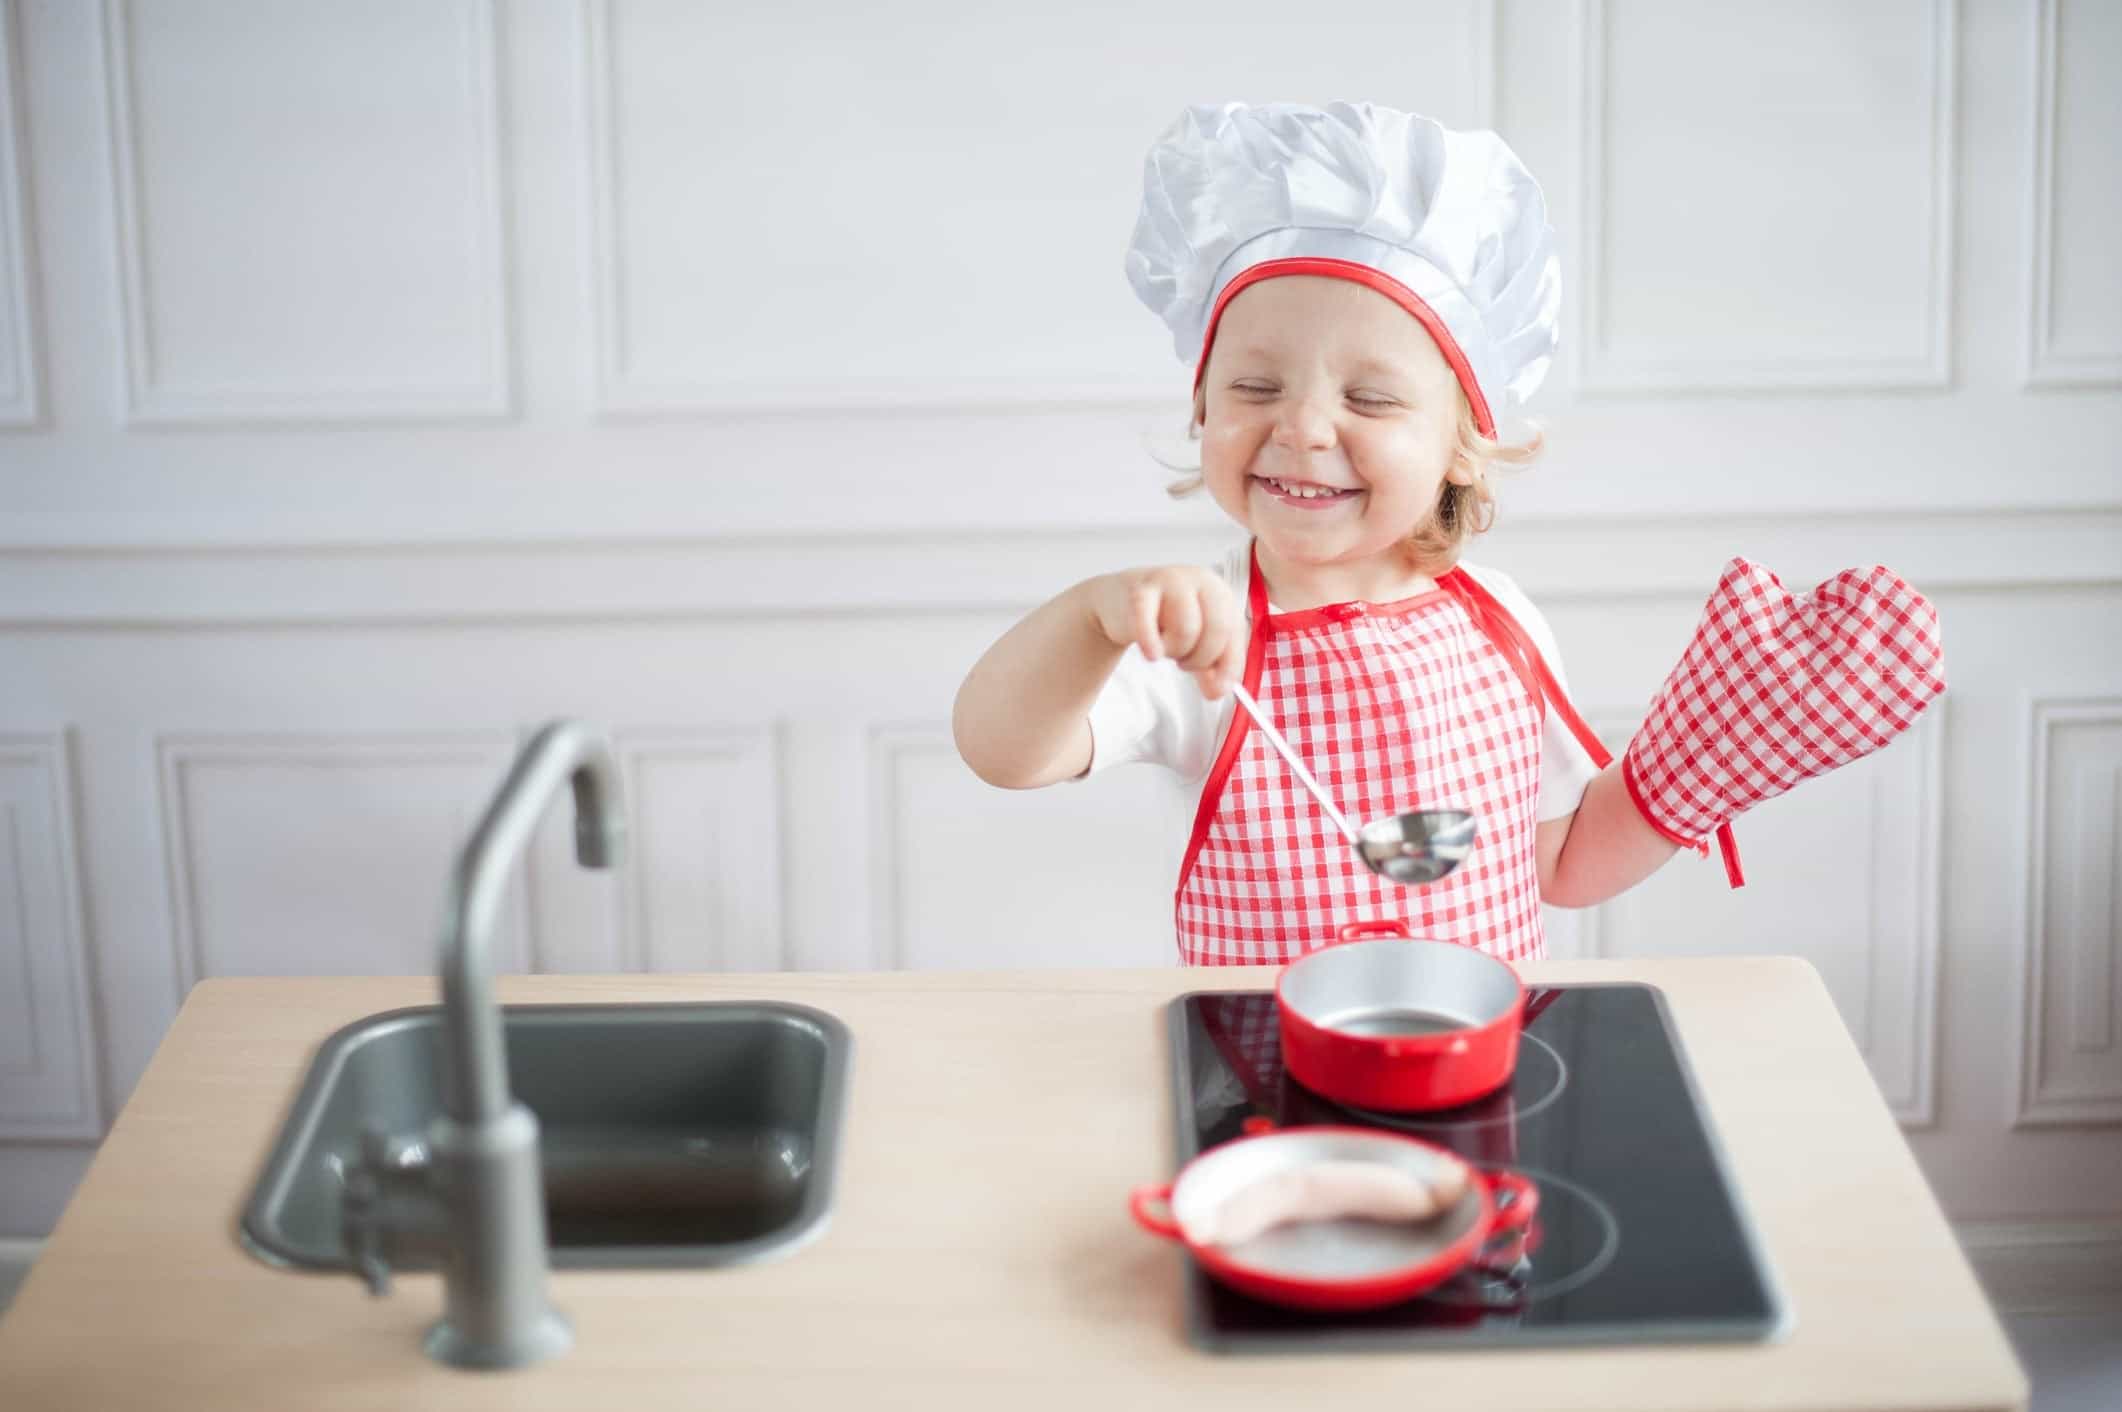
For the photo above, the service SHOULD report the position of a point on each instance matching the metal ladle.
(1417, 847)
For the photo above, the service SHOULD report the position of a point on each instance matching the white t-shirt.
(1152, 712)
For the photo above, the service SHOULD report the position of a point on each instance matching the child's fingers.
(1231, 665)
(1216, 671)
(1220, 655)
(1209, 644)
(1143, 602)
(1181, 620)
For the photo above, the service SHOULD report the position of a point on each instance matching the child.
(1361, 291)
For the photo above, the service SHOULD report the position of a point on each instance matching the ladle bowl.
(1414, 848)
(1418, 847)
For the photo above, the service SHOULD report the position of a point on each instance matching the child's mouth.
(1305, 495)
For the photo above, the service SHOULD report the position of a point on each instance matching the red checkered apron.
(1434, 701)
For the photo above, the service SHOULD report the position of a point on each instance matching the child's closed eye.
(1366, 401)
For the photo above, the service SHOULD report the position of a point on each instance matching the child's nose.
(1307, 424)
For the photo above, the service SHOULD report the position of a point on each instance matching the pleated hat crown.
(1449, 224)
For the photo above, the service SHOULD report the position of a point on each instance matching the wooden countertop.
(979, 1253)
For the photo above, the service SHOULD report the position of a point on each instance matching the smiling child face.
(1329, 423)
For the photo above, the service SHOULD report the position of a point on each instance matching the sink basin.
(672, 1135)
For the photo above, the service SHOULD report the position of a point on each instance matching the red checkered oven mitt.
(1775, 689)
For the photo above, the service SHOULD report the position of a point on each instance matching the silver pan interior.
(1400, 987)
(1345, 1249)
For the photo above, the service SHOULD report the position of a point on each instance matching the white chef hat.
(1449, 225)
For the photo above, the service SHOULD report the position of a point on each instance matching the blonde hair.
(1461, 511)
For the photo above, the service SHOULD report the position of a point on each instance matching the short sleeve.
(1566, 767)
(1140, 715)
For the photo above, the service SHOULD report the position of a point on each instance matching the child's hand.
(1178, 611)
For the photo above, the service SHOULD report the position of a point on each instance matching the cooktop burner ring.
(1550, 1077)
(1477, 1288)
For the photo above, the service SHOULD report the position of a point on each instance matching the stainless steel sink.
(672, 1135)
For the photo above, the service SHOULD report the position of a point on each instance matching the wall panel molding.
(1484, 58)
(704, 880)
(22, 357)
(280, 581)
(1597, 370)
(2047, 1267)
(48, 1068)
(415, 871)
(891, 745)
(2069, 1061)
(156, 395)
(2046, 365)
(1915, 1102)
(700, 885)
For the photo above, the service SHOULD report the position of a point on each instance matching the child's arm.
(1022, 717)
(1602, 849)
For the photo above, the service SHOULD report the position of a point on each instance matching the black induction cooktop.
(1640, 1235)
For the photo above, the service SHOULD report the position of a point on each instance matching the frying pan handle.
(1385, 926)
(1524, 1203)
(1140, 1202)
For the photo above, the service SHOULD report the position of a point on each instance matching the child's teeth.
(1301, 492)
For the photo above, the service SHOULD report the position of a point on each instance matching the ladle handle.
(1282, 748)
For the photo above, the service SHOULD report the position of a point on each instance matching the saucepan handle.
(1151, 1207)
(1515, 1215)
(1381, 927)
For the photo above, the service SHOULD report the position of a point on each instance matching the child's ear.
(1462, 471)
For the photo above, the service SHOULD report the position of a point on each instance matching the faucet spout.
(484, 1145)
(475, 1070)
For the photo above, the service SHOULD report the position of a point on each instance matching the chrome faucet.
(474, 1193)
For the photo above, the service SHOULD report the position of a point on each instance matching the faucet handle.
(361, 1228)
(389, 1206)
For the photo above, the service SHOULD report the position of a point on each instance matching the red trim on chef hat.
(1370, 279)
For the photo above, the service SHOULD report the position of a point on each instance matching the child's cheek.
(1418, 442)
(1224, 443)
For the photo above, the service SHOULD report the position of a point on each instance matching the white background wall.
(380, 380)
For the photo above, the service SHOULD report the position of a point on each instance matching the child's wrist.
(1084, 605)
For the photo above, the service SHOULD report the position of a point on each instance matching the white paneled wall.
(47, 1069)
(238, 247)
(1749, 207)
(379, 381)
(2074, 286)
(2070, 1055)
(20, 388)
(297, 855)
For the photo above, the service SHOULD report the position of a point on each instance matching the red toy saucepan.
(1399, 1025)
(1334, 1264)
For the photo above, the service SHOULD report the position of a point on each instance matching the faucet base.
(545, 1337)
